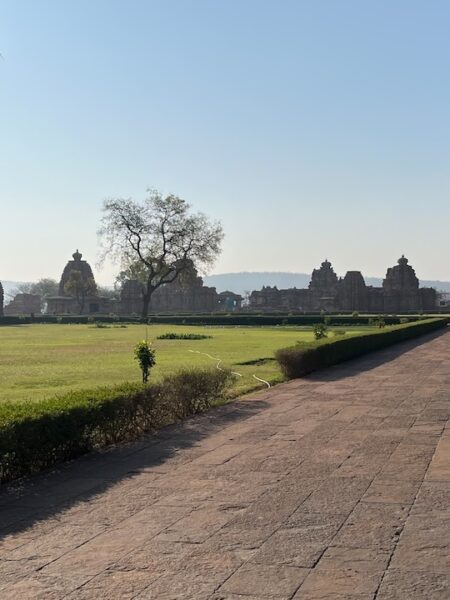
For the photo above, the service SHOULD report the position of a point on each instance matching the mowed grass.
(39, 361)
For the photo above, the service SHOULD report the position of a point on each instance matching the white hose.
(219, 360)
(263, 381)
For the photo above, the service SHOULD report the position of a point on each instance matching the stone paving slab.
(333, 487)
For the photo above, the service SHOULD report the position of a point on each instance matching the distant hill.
(242, 282)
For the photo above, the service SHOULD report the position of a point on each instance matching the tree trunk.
(146, 297)
(80, 302)
(145, 305)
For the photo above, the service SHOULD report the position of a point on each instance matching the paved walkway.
(334, 487)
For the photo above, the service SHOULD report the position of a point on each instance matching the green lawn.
(38, 361)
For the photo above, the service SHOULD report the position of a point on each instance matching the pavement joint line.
(406, 519)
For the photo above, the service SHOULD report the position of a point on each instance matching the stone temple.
(24, 304)
(187, 294)
(78, 291)
(400, 292)
(78, 294)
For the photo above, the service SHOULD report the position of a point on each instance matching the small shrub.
(320, 331)
(379, 322)
(355, 314)
(190, 391)
(145, 355)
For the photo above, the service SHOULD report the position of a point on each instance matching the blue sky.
(311, 129)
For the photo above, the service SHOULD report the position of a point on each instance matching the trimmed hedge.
(250, 320)
(36, 435)
(66, 319)
(302, 359)
(212, 319)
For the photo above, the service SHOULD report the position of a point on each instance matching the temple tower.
(323, 287)
(81, 296)
(353, 292)
(79, 265)
(401, 288)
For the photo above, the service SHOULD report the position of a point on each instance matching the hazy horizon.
(99, 273)
(242, 282)
(310, 130)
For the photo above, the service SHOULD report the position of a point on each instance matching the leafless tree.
(158, 239)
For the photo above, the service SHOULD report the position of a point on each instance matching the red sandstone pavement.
(334, 487)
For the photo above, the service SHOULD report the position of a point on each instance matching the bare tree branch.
(158, 239)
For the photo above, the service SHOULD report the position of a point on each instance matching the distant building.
(444, 300)
(229, 301)
(187, 294)
(78, 294)
(400, 292)
(78, 291)
(23, 304)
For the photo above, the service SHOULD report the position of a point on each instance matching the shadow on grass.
(48, 495)
(372, 360)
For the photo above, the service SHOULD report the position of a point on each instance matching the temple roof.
(401, 277)
(77, 264)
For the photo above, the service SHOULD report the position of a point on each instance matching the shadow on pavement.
(44, 496)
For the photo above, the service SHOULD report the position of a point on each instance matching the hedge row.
(66, 319)
(36, 435)
(210, 319)
(297, 361)
(265, 320)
